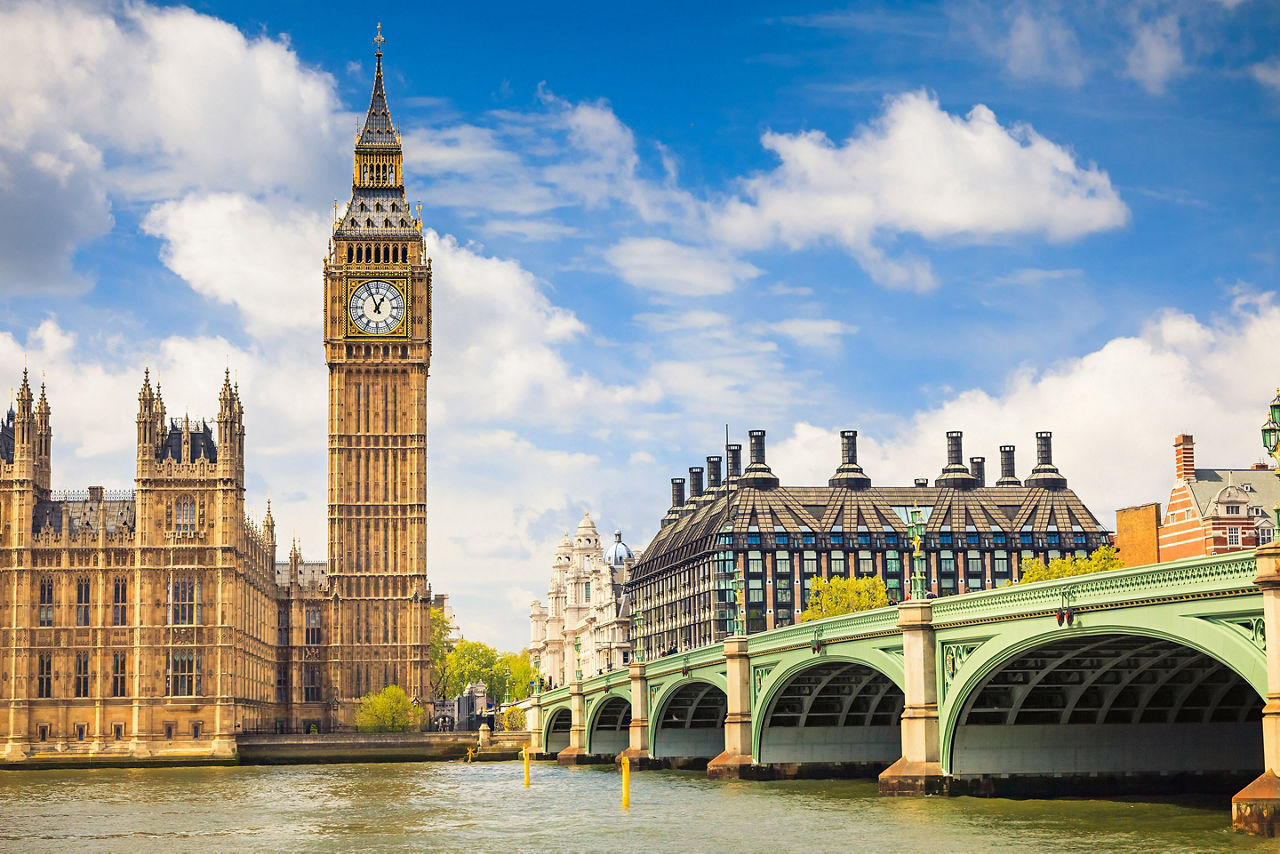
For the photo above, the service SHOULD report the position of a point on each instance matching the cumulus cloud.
(1114, 412)
(1156, 56)
(144, 103)
(672, 268)
(277, 246)
(821, 333)
(919, 170)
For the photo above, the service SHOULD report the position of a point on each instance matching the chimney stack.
(849, 474)
(713, 472)
(695, 482)
(1007, 475)
(922, 482)
(955, 475)
(758, 474)
(735, 461)
(677, 492)
(1045, 475)
(1184, 457)
(978, 468)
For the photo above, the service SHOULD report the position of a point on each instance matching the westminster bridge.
(1135, 680)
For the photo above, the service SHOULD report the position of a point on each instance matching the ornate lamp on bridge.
(915, 531)
(577, 659)
(1271, 439)
(739, 606)
(637, 625)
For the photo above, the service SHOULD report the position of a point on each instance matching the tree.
(514, 720)
(1102, 559)
(389, 710)
(514, 672)
(828, 598)
(468, 662)
(438, 648)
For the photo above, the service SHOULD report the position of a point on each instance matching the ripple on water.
(484, 807)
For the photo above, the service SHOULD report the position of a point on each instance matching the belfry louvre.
(774, 539)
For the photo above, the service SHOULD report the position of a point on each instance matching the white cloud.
(276, 244)
(672, 268)
(1156, 56)
(818, 333)
(1267, 73)
(1114, 413)
(919, 170)
(1041, 45)
(142, 104)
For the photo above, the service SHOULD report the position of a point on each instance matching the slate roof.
(203, 444)
(1261, 484)
(118, 514)
(378, 129)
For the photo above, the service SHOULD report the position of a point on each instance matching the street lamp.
(916, 532)
(577, 658)
(1271, 439)
(739, 606)
(637, 649)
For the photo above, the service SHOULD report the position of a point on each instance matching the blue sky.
(648, 222)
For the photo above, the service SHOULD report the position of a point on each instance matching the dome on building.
(618, 551)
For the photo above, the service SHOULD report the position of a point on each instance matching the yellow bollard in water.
(471, 751)
(626, 782)
(526, 766)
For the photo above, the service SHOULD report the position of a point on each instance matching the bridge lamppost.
(577, 659)
(637, 649)
(915, 531)
(739, 607)
(1271, 439)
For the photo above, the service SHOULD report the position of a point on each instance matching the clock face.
(377, 307)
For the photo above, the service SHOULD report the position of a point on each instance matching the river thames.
(484, 807)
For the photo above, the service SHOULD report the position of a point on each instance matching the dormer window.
(393, 207)
(1233, 509)
(363, 208)
(386, 223)
(378, 207)
(368, 223)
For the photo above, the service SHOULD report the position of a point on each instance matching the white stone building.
(585, 604)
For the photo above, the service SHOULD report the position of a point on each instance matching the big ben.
(377, 317)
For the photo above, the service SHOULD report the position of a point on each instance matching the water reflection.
(484, 807)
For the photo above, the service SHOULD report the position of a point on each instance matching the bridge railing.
(1221, 574)
(841, 627)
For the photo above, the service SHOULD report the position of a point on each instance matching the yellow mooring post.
(526, 766)
(471, 751)
(626, 782)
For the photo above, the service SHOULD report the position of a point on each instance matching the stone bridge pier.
(1256, 808)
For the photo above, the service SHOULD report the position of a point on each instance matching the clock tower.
(377, 340)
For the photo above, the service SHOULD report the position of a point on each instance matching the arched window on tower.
(395, 254)
(377, 254)
(386, 223)
(391, 174)
(350, 254)
(363, 208)
(403, 224)
(368, 223)
(378, 207)
(185, 518)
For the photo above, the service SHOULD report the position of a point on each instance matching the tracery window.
(44, 675)
(119, 664)
(182, 675)
(82, 675)
(184, 601)
(44, 613)
(184, 521)
(313, 627)
(83, 593)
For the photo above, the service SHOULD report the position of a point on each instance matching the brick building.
(1210, 511)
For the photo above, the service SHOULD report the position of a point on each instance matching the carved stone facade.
(586, 606)
(156, 623)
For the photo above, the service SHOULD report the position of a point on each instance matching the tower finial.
(378, 40)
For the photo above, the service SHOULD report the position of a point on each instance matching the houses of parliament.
(156, 623)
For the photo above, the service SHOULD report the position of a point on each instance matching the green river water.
(484, 807)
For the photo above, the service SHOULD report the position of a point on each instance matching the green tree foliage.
(468, 662)
(505, 675)
(1102, 559)
(438, 649)
(515, 720)
(389, 710)
(828, 598)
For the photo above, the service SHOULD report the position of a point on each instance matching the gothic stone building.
(156, 623)
(776, 539)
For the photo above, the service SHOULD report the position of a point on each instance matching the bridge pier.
(737, 754)
(533, 720)
(637, 751)
(919, 770)
(576, 752)
(1256, 808)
